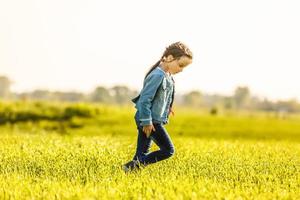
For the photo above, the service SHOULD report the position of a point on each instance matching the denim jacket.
(153, 103)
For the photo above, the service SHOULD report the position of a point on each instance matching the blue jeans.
(161, 137)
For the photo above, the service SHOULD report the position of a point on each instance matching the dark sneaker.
(130, 166)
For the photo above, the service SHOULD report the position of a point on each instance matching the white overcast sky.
(78, 45)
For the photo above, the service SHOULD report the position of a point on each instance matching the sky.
(78, 45)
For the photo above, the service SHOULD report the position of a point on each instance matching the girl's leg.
(163, 140)
(143, 145)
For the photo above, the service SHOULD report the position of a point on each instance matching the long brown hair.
(177, 50)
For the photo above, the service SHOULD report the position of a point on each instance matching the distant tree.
(193, 98)
(228, 102)
(122, 94)
(4, 87)
(101, 94)
(289, 106)
(266, 105)
(68, 96)
(41, 95)
(242, 97)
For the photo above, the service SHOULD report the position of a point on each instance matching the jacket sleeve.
(151, 85)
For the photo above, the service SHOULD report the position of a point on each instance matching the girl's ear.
(169, 58)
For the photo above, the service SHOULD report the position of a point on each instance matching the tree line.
(241, 99)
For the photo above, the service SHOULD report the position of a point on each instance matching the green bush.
(14, 112)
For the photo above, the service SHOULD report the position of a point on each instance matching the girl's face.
(178, 64)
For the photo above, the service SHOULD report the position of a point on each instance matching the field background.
(75, 151)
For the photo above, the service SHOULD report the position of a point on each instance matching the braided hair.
(177, 50)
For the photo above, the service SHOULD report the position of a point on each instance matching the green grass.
(228, 156)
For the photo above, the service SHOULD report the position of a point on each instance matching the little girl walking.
(154, 105)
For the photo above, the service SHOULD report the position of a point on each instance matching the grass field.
(75, 152)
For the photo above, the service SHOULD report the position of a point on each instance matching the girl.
(154, 105)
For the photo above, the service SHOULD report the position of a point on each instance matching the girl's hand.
(148, 129)
(171, 111)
